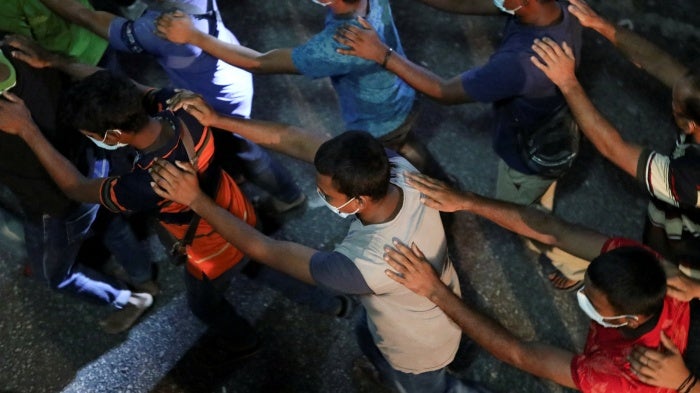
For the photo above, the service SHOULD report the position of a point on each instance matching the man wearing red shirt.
(624, 293)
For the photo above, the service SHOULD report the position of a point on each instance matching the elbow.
(542, 226)
(256, 68)
(517, 355)
(446, 94)
(83, 17)
(73, 194)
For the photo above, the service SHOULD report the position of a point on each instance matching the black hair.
(691, 104)
(357, 164)
(103, 101)
(631, 278)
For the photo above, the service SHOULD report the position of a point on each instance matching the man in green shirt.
(32, 19)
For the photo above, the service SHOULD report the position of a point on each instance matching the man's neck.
(151, 137)
(339, 8)
(385, 209)
(542, 15)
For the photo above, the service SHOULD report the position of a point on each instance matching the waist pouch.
(549, 148)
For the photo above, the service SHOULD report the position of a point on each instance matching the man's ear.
(634, 323)
(92, 135)
(362, 200)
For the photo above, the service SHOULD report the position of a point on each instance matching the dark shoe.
(124, 318)
(367, 377)
(220, 353)
(274, 206)
(558, 279)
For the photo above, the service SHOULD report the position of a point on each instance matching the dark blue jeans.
(53, 244)
(123, 244)
(52, 247)
(437, 381)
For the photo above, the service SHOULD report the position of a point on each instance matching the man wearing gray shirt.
(407, 338)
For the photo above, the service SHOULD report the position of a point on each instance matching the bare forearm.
(649, 57)
(287, 257)
(61, 170)
(599, 131)
(236, 55)
(475, 7)
(73, 11)
(286, 139)
(243, 57)
(538, 225)
(538, 359)
(642, 52)
(67, 65)
(425, 81)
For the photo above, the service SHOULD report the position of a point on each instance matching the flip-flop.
(558, 280)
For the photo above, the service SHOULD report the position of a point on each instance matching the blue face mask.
(334, 209)
(101, 144)
(500, 5)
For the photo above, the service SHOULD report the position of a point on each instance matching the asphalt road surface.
(51, 342)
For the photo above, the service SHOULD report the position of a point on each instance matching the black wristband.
(387, 55)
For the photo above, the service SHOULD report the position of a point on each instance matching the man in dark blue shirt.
(523, 98)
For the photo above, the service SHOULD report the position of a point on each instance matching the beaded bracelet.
(387, 55)
(691, 384)
(687, 384)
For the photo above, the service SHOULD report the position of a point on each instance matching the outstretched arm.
(365, 43)
(472, 7)
(284, 138)
(25, 49)
(542, 360)
(526, 221)
(15, 119)
(180, 185)
(75, 12)
(558, 64)
(177, 27)
(654, 60)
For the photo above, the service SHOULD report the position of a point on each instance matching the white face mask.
(334, 209)
(500, 5)
(322, 4)
(103, 145)
(588, 308)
